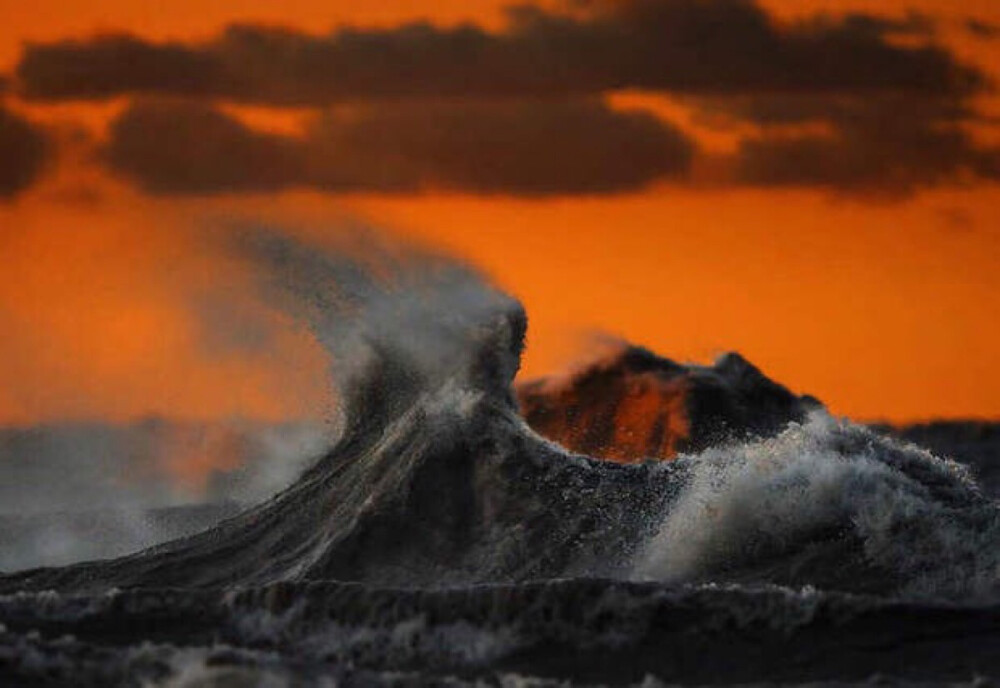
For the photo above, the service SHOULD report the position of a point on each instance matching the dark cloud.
(679, 46)
(858, 102)
(777, 109)
(886, 145)
(982, 29)
(882, 145)
(190, 148)
(23, 151)
(520, 147)
(114, 64)
(526, 147)
(913, 24)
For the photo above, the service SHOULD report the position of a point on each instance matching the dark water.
(440, 541)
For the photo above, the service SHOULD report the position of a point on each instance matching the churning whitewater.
(442, 540)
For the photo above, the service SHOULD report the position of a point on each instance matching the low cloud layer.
(884, 145)
(525, 148)
(860, 104)
(23, 151)
(678, 46)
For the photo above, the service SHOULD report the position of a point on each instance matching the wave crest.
(829, 503)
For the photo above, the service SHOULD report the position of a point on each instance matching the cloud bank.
(679, 46)
(526, 148)
(24, 148)
(858, 103)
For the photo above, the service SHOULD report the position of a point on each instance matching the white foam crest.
(915, 515)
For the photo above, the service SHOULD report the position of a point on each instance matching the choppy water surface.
(441, 541)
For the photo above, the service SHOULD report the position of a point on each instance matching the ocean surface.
(439, 540)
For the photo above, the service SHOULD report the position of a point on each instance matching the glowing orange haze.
(887, 310)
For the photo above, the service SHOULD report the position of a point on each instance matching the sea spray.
(777, 508)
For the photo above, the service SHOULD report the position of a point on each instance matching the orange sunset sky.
(812, 183)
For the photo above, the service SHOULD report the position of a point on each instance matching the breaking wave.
(440, 533)
(834, 504)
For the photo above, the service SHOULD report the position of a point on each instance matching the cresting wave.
(422, 540)
(830, 504)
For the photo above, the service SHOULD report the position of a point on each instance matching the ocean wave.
(830, 503)
(441, 532)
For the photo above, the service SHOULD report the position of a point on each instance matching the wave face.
(441, 538)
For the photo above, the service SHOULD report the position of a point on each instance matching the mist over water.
(78, 491)
(75, 491)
